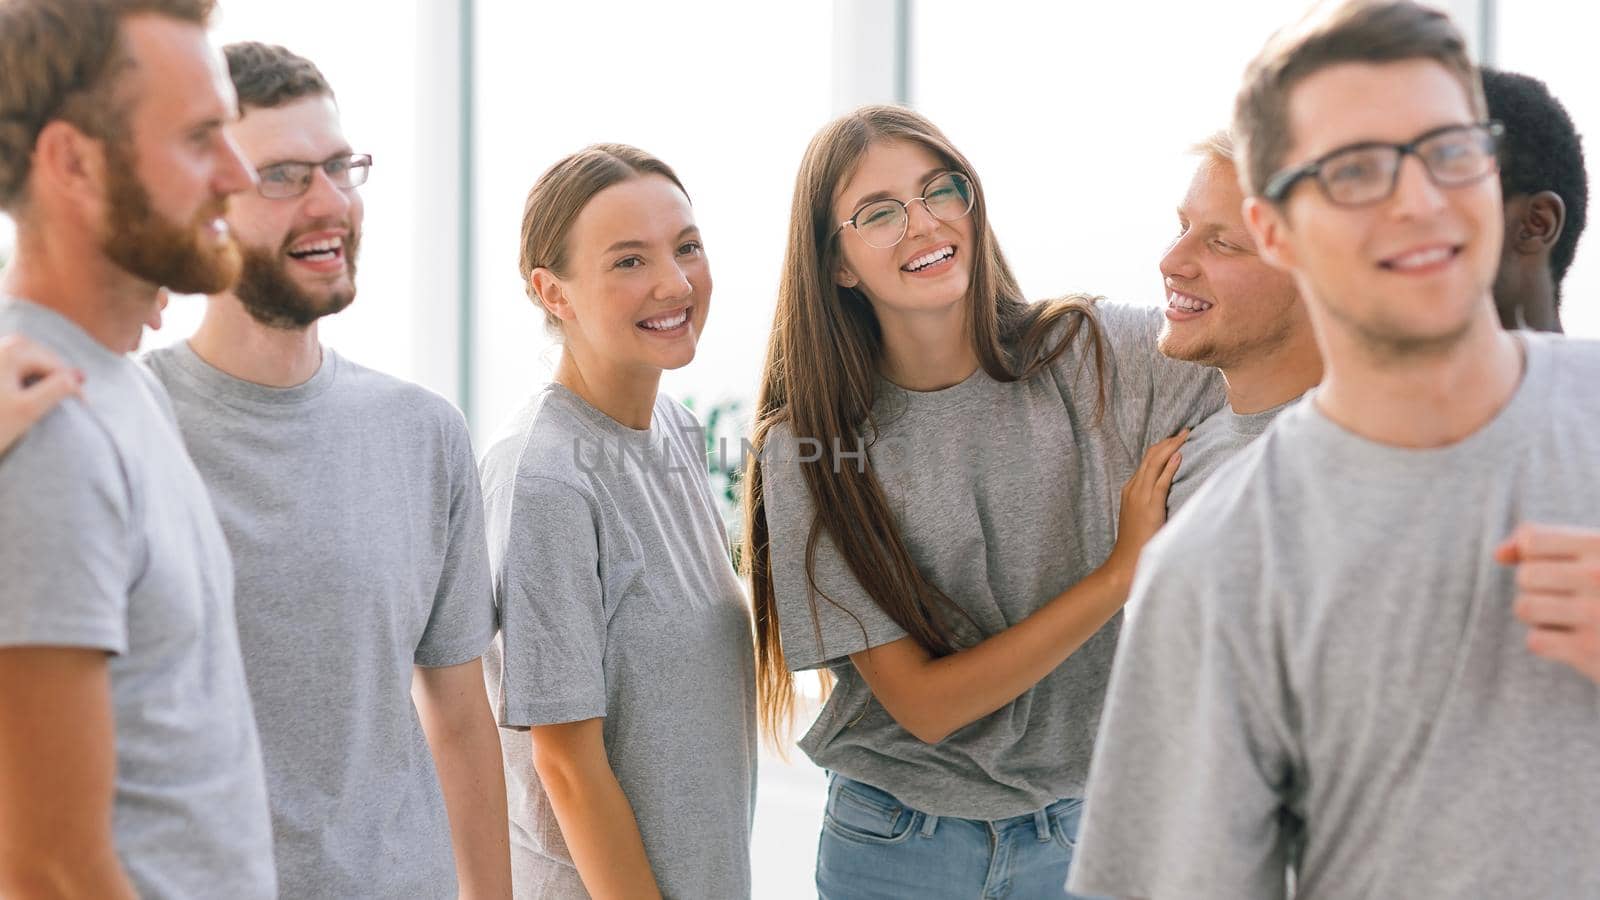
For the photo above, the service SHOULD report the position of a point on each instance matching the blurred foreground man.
(1369, 651)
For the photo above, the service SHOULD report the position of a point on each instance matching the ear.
(845, 278)
(68, 162)
(551, 294)
(1269, 228)
(1544, 215)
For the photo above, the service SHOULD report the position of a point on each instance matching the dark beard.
(272, 297)
(147, 245)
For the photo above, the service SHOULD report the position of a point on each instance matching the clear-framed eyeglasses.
(284, 180)
(883, 223)
(1366, 173)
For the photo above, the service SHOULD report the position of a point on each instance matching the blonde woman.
(623, 677)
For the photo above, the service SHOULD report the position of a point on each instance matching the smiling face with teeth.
(636, 287)
(1412, 272)
(1225, 306)
(930, 270)
(299, 252)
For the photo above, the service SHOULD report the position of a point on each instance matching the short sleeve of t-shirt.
(463, 618)
(822, 623)
(1189, 785)
(1149, 397)
(67, 553)
(552, 606)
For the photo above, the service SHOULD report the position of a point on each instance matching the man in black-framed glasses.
(351, 504)
(1366, 172)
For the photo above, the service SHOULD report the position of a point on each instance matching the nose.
(920, 219)
(1415, 194)
(1180, 259)
(674, 285)
(233, 173)
(324, 199)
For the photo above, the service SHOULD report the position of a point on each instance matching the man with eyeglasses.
(351, 503)
(1368, 654)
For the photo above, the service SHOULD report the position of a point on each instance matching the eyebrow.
(875, 196)
(645, 245)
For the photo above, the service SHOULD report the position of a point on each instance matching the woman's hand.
(32, 382)
(1144, 505)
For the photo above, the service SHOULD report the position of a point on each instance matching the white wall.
(727, 93)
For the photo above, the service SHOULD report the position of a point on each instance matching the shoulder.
(541, 445)
(1576, 361)
(1124, 324)
(1105, 332)
(404, 398)
(68, 463)
(680, 421)
(1217, 539)
(163, 362)
(674, 412)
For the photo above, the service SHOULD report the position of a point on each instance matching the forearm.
(472, 776)
(599, 827)
(58, 776)
(947, 693)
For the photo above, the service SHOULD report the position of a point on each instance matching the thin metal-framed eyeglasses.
(1366, 173)
(281, 181)
(883, 223)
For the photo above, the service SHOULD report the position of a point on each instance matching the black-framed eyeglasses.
(1366, 173)
(882, 223)
(281, 181)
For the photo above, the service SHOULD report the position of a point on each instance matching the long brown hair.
(821, 378)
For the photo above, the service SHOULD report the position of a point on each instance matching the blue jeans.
(874, 847)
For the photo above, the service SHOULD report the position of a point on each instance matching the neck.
(1420, 400)
(63, 275)
(927, 351)
(230, 340)
(1536, 304)
(1274, 378)
(626, 395)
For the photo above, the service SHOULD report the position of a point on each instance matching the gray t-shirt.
(351, 503)
(108, 541)
(1005, 495)
(1327, 668)
(1214, 442)
(618, 600)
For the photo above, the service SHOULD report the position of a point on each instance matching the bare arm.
(934, 696)
(596, 819)
(57, 776)
(454, 708)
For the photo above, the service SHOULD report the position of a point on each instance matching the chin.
(676, 361)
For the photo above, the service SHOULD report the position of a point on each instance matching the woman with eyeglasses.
(623, 677)
(933, 519)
